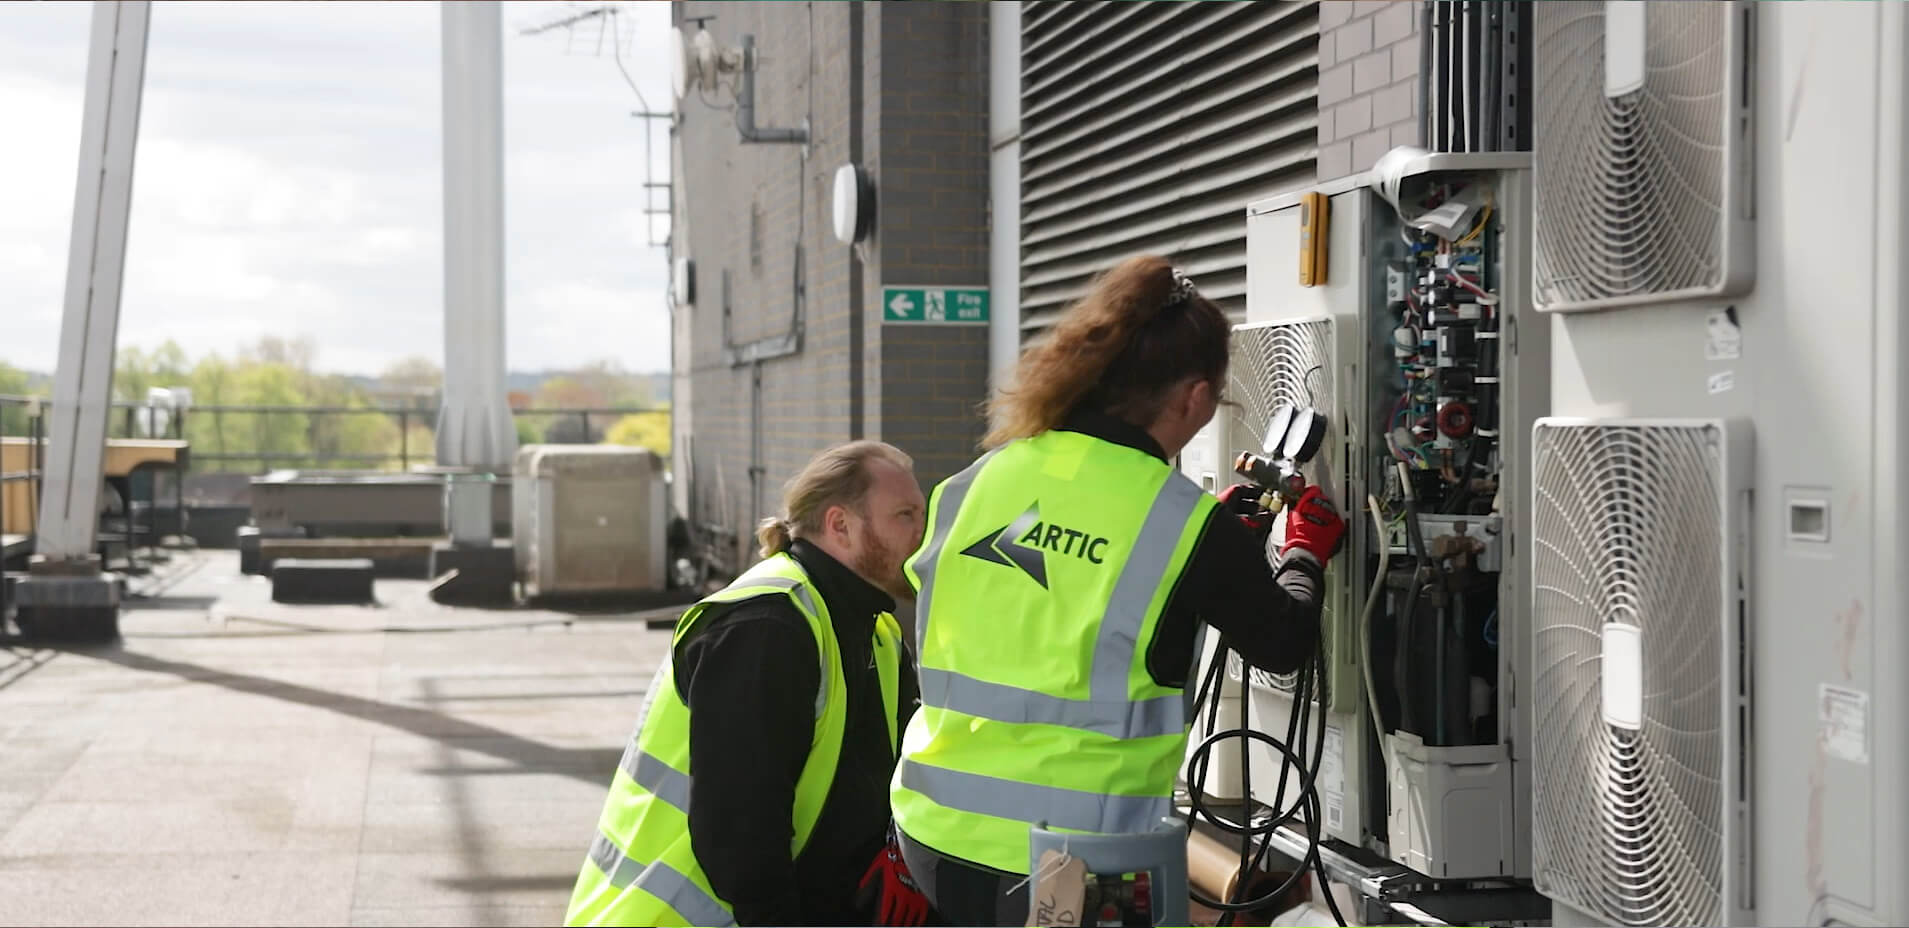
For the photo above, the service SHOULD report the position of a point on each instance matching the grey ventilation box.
(1643, 152)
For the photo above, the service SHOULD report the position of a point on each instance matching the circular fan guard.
(1627, 824)
(1630, 190)
(1270, 365)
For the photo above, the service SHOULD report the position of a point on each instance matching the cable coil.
(1306, 803)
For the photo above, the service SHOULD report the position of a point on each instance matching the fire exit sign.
(935, 305)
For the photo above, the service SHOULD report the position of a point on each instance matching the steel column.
(96, 262)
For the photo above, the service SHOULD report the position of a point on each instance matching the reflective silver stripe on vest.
(807, 598)
(663, 781)
(1146, 565)
(1116, 718)
(800, 589)
(946, 508)
(610, 859)
(1025, 802)
(662, 881)
(773, 582)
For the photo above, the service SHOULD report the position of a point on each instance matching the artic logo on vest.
(1024, 543)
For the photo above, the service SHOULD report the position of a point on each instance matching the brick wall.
(932, 228)
(742, 208)
(1368, 82)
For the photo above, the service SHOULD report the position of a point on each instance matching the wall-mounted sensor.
(854, 204)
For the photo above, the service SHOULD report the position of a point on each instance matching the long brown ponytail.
(1136, 333)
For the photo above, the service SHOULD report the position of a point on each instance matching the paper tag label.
(1723, 382)
(1450, 219)
(1060, 890)
(1332, 777)
(1723, 340)
(1844, 714)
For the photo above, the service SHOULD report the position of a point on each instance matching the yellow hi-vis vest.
(641, 869)
(1048, 566)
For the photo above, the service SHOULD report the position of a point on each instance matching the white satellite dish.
(680, 64)
(854, 198)
(696, 63)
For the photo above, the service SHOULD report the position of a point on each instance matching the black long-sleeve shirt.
(1271, 617)
(750, 676)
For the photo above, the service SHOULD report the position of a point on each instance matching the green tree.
(568, 392)
(298, 354)
(344, 439)
(212, 433)
(413, 375)
(132, 374)
(171, 363)
(13, 382)
(598, 385)
(643, 430)
(277, 433)
(420, 442)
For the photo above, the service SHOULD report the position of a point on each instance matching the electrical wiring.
(1483, 218)
(1483, 297)
(1365, 627)
(1398, 414)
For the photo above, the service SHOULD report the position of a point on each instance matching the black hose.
(1306, 804)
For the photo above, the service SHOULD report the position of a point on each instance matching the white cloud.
(288, 182)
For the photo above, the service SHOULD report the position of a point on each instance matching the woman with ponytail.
(1061, 587)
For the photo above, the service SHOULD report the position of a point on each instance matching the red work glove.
(1314, 526)
(888, 890)
(1242, 500)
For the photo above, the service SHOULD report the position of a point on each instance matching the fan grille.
(1272, 364)
(1630, 190)
(1628, 528)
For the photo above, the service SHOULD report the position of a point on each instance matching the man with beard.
(755, 791)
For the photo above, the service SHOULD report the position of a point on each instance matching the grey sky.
(288, 182)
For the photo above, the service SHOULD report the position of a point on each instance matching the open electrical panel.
(1391, 302)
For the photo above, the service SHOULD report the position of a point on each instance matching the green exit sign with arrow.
(935, 305)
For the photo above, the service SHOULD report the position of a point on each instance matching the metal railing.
(219, 450)
(323, 444)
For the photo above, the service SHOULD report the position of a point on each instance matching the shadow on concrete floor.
(16, 661)
(589, 765)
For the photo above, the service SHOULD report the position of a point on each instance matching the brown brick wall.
(1368, 82)
(933, 228)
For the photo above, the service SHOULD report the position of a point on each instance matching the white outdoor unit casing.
(589, 519)
(1812, 361)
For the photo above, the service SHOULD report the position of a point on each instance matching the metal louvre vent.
(1642, 169)
(1123, 104)
(1638, 681)
(1271, 364)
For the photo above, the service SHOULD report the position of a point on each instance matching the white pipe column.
(1004, 189)
(474, 423)
(96, 264)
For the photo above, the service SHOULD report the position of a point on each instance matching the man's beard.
(882, 569)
